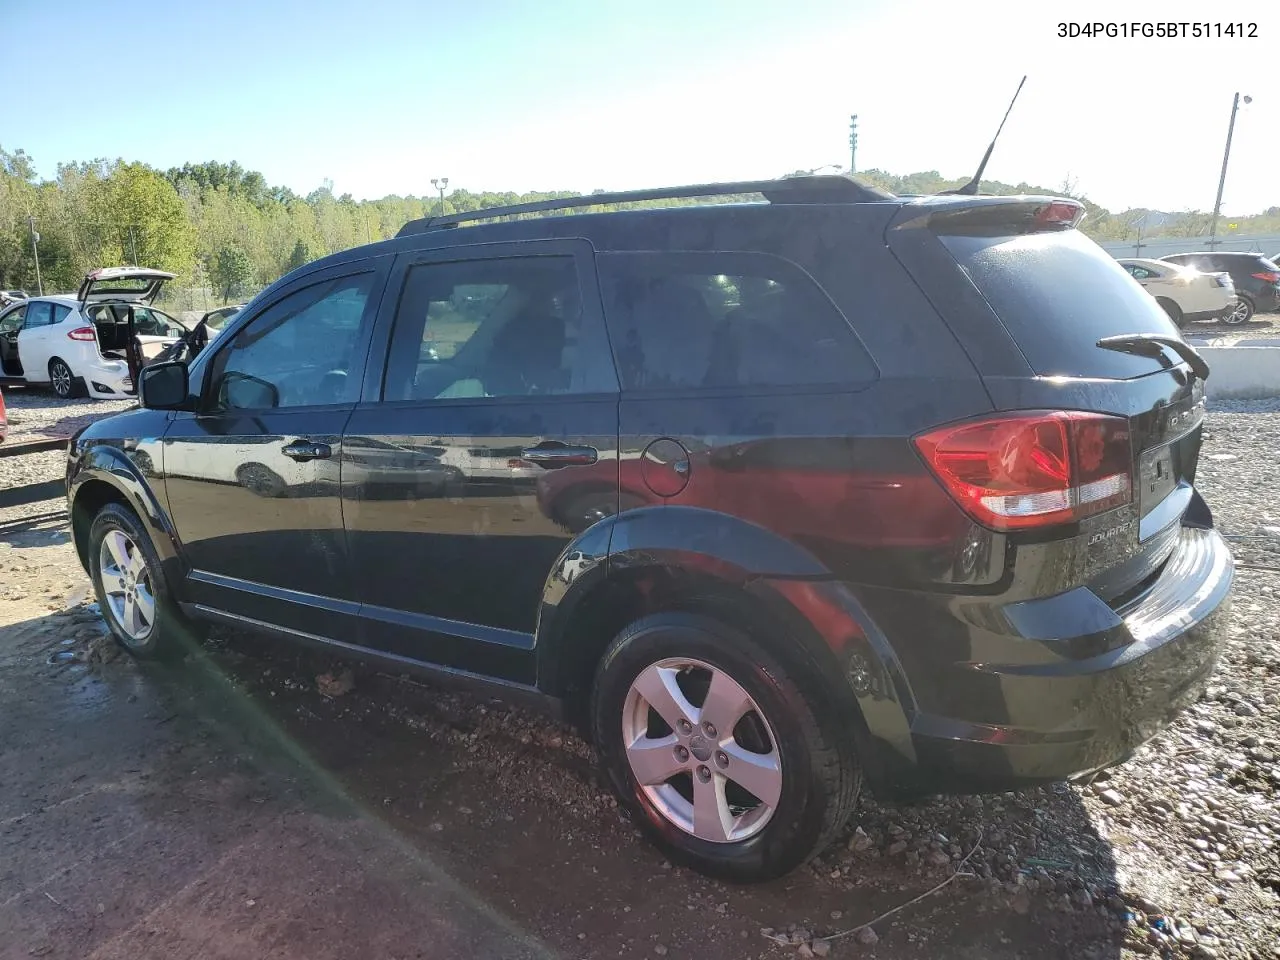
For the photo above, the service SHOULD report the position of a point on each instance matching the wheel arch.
(105, 474)
(759, 584)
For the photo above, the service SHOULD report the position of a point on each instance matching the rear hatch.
(126, 284)
(1098, 392)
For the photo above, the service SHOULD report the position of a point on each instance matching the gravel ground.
(1173, 854)
(1264, 326)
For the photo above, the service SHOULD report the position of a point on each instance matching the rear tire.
(1173, 310)
(799, 774)
(1242, 312)
(131, 589)
(63, 382)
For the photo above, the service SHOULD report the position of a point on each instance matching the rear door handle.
(560, 455)
(304, 450)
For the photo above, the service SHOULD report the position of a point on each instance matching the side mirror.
(163, 386)
(240, 391)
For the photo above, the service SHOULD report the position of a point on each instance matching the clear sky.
(380, 96)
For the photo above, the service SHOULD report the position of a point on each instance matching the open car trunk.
(111, 322)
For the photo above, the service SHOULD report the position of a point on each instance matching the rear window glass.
(1058, 294)
(681, 321)
(121, 286)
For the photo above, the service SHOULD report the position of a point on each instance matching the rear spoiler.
(992, 216)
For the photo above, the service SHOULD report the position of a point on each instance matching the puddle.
(63, 656)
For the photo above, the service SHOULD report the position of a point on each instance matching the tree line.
(227, 233)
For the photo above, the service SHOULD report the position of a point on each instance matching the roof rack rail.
(817, 189)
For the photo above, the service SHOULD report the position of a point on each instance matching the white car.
(1186, 294)
(77, 345)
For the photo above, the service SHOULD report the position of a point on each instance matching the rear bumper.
(1266, 300)
(1065, 718)
(107, 379)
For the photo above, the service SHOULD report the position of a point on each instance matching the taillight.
(1033, 469)
(81, 333)
(1267, 277)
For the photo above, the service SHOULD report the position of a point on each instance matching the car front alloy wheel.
(131, 588)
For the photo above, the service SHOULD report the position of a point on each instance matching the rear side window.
(60, 312)
(1058, 294)
(681, 321)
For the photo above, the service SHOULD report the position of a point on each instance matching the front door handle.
(560, 455)
(304, 450)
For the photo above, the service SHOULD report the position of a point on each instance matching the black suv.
(775, 498)
(1256, 279)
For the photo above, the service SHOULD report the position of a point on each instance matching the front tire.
(131, 589)
(715, 746)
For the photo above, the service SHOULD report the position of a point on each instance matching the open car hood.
(131, 284)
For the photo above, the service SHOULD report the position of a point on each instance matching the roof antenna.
(971, 188)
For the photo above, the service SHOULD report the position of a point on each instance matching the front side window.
(502, 327)
(681, 321)
(153, 323)
(300, 351)
(12, 320)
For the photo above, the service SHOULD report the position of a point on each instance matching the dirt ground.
(254, 801)
(225, 808)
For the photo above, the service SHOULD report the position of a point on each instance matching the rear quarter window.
(1058, 294)
(696, 320)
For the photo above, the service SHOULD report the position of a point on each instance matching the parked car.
(4, 419)
(828, 490)
(1256, 279)
(1185, 294)
(78, 345)
(8, 297)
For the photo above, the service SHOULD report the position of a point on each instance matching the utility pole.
(35, 253)
(1222, 179)
(440, 184)
(133, 243)
(853, 143)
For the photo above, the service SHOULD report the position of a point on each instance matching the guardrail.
(42, 445)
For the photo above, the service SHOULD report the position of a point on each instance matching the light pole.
(35, 253)
(853, 143)
(1222, 180)
(440, 184)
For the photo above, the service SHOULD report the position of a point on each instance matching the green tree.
(232, 271)
(144, 221)
(301, 256)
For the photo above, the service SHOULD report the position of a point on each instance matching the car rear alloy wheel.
(701, 750)
(61, 378)
(127, 583)
(724, 747)
(1242, 312)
